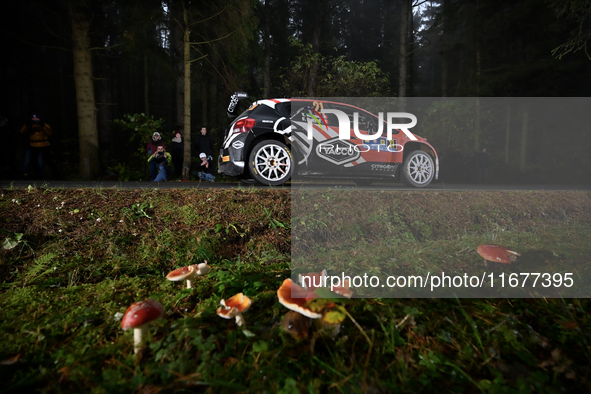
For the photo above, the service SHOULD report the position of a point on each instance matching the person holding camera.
(151, 147)
(160, 160)
(206, 168)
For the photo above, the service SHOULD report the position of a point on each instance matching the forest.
(83, 65)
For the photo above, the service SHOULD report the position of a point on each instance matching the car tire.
(270, 163)
(418, 169)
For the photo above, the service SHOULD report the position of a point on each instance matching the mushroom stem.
(240, 320)
(139, 333)
(189, 284)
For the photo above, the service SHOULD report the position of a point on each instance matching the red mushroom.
(314, 280)
(189, 273)
(138, 316)
(233, 307)
(295, 298)
(497, 254)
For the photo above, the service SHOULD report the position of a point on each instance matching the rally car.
(277, 139)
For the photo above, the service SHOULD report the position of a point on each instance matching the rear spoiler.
(234, 100)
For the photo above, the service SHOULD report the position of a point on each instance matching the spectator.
(152, 146)
(177, 150)
(37, 149)
(203, 144)
(206, 168)
(160, 160)
(483, 167)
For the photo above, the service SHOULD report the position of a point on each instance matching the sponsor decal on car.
(383, 167)
(338, 151)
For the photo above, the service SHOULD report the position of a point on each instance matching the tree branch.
(211, 17)
(199, 58)
(420, 3)
(214, 40)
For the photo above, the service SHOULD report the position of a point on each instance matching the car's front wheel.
(270, 163)
(418, 169)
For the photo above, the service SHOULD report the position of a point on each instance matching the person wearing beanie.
(206, 168)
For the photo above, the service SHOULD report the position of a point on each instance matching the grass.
(67, 277)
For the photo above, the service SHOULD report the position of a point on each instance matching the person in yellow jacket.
(38, 148)
(161, 158)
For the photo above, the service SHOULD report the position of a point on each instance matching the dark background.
(272, 48)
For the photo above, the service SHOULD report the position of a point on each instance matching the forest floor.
(73, 260)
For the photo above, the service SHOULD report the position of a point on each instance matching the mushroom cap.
(140, 313)
(188, 272)
(344, 291)
(233, 306)
(319, 280)
(294, 297)
(182, 273)
(497, 253)
(312, 280)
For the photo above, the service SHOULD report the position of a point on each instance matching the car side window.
(283, 109)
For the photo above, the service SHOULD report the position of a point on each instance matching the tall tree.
(80, 15)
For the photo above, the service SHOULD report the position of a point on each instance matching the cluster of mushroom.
(140, 314)
(303, 299)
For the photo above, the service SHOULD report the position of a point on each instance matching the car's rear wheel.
(270, 163)
(418, 169)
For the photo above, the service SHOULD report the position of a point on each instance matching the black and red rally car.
(277, 139)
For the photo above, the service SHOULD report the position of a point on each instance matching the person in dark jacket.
(151, 148)
(177, 149)
(203, 144)
(37, 149)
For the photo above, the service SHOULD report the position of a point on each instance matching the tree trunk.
(85, 103)
(477, 114)
(507, 131)
(178, 45)
(267, 42)
(187, 97)
(315, 67)
(104, 89)
(410, 52)
(402, 60)
(444, 51)
(146, 86)
(522, 156)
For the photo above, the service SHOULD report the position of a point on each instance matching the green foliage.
(353, 79)
(138, 210)
(335, 76)
(123, 172)
(579, 11)
(61, 312)
(140, 128)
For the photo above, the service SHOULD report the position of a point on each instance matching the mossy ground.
(76, 259)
